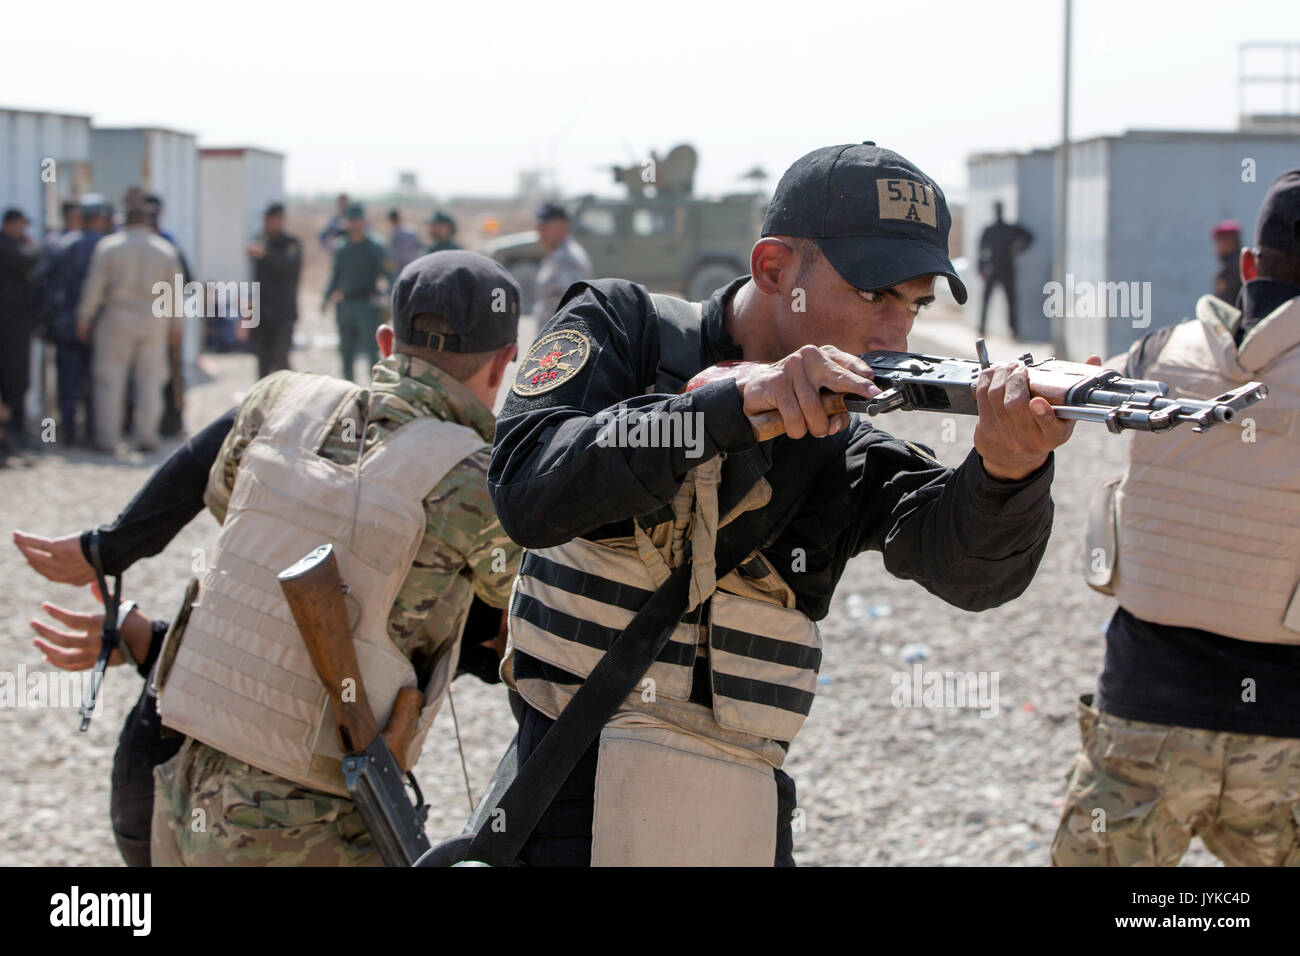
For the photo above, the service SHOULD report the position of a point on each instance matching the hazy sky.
(467, 94)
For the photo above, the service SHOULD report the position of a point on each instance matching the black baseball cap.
(875, 216)
(442, 218)
(551, 210)
(1279, 216)
(13, 213)
(274, 209)
(471, 292)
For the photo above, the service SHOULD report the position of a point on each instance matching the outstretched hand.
(77, 649)
(58, 559)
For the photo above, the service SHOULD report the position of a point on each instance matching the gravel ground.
(878, 784)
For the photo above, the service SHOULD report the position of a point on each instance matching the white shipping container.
(1022, 182)
(1138, 253)
(235, 186)
(160, 161)
(44, 159)
(166, 163)
(1141, 208)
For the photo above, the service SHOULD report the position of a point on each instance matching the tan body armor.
(1207, 526)
(241, 680)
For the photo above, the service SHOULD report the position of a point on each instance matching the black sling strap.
(108, 635)
(616, 675)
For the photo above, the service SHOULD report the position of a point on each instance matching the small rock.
(914, 652)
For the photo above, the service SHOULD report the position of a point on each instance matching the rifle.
(914, 381)
(371, 772)
(108, 636)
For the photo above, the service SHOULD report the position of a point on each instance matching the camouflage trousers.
(1139, 792)
(213, 810)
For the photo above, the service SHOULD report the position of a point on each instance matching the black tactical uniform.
(277, 271)
(971, 540)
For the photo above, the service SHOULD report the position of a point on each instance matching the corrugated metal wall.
(158, 161)
(235, 187)
(27, 141)
(1023, 184)
(1141, 209)
(173, 173)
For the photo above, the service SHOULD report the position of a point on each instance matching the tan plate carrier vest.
(1207, 526)
(242, 681)
(569, 603)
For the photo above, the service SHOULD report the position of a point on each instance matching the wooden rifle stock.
(314, 591)
(769, 425)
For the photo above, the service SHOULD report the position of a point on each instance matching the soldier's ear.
(497, 367)
(384, 339)
(769, 258)
(1249, 265)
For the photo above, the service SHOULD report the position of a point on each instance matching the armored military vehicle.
(660, 235)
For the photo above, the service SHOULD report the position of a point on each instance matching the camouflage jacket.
(463, 552)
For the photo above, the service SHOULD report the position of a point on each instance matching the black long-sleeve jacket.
(970, 539)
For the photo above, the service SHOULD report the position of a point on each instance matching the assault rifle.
(374, 778)
(913, 381)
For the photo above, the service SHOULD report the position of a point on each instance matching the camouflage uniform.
(251, 817)
(1157, 786)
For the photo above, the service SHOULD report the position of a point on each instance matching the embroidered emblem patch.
(906, 199)
(553, 359)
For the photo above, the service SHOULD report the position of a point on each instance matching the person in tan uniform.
(1195, 726)
(120, 311)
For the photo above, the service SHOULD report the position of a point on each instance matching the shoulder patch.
(917, 449)
(553, 359)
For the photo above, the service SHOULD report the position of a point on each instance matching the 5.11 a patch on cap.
(553, 359)
(907, 199)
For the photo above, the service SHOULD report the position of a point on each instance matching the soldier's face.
(1226, 245)
(441, 231)
(836, 313)
(552, 232)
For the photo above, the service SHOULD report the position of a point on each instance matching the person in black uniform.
(852, 242)
(1000, 243)
(19, 317)
(277, 263)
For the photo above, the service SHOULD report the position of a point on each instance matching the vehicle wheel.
(525, 273)
(709, 277)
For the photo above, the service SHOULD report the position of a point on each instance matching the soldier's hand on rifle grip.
(792, 387)
(1017, 429)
